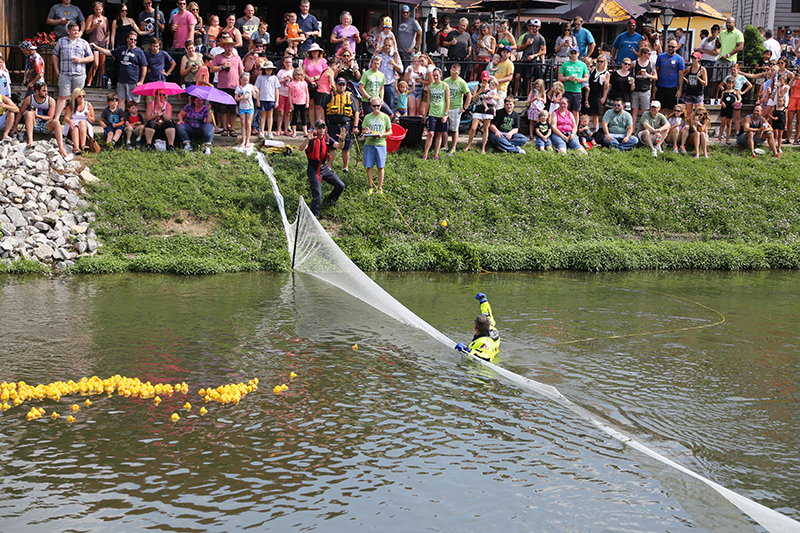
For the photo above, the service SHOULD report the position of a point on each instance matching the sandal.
(796, 142)
(232, 133)
(77, 152)
(224, 133)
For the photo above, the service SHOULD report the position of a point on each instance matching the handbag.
(94, 146)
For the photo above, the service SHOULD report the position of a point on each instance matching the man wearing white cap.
(409, 35)
(534, 48)
(654, 127)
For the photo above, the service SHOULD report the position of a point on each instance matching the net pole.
(296, 231)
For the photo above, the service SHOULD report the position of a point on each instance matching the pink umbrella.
(150, 89)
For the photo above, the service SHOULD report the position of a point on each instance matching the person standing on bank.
(409, 35)
(62, 15)
(376, 126)
(319, 147)
(309, 26)
(70, 57)
(343, 112)
(132, 68)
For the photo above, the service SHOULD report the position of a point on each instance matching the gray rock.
(16, 216)
(73, 199)
(91, 245)
(60, 192)
(3, 217)
(88, 177)
(42, 252)
(7, 228)
(15, 192)
(50, 218)
(72, 183)
(41, 226)
(38, 155)
(81, 247)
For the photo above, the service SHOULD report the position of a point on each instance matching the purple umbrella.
(211, 94)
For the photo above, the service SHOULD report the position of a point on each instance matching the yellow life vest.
(340, 105)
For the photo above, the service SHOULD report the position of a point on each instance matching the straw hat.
(226, 40)
(313, 47)
(267, 64)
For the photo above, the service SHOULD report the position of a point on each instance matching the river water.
(402, 433)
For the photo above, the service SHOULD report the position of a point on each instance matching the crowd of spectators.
(469, 72)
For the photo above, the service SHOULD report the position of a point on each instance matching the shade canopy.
(605, 11)
(688, 8)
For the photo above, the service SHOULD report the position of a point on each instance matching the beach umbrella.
(689, 8)
(605, 11)
(210, 94)
(150, 89)
(502, 5)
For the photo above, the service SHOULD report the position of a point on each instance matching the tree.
(753, 46)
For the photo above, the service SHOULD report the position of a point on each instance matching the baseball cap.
(698, 55)
(534, 22)
(631, 21)
(485, 75)
(655, 103)
(505, 48)
(340, 80)
(404, 8)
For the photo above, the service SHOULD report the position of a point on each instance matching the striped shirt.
(65, 50)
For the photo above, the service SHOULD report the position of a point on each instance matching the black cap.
(320, 125)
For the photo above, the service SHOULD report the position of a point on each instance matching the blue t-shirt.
(307, 25)
(623, 43)
(669, 70)
(155, 64)
(584, 38)
(130, 63)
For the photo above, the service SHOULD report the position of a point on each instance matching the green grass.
(605, 211)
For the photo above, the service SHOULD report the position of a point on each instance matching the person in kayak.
(486, 342)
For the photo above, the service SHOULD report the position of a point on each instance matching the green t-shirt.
(728, 41)
(458, 89)
(577, 69)
(437, 108)
(373, 82)
(380, 123)
(618, 122)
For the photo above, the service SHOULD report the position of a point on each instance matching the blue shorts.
(245, 111)
(40, 126)
(109, 129)
(374, 156)
(267, 106)
(437, 124)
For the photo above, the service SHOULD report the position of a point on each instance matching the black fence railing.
(470, 70)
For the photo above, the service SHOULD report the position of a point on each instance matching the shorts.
(666, 95)
(454, 119)
(245, 111)
(125, 92)
(482, 116)
(726, 112)
(742, 140)
(335, 123)
(640, 100)
(543, 143)
(266, 107)
(67, 84)
(794, 104)
(738, 106)
(694, 99)
(322, 99)
(437, 125)
(417, 92)
(109, 129)
(401, 112)
(374, 156)
(574, 101)
(779, 120)
(224, 109)
(40, 126)
(284, 104)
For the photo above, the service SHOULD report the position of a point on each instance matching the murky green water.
(403, 434)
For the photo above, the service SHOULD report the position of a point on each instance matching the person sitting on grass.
(319, 147)
(38, 112)
(486, 342)
(111, 120)
(504, 130)
(195, 121)
(755, 130)
(618, 127)
(159, 122)
(563, 129)
(654, 127)
(134, 124)
(543, 131)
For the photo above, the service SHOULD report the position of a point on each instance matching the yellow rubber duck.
(75, 407)
(55, 415)
(175, 417)
(187, 406)
(71, 419)
(278, 389)
(284, 387)
(355, 347)
(203, 410)
(156, 400)
(87, 403)
(292, 375)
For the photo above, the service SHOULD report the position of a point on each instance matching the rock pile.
(43, 216)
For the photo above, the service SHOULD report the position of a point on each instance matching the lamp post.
(425, 12)
(666, 17)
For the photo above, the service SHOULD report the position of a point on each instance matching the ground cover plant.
(191, 214)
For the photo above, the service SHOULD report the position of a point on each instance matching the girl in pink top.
(298, 92)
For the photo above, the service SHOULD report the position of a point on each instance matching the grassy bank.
(190, 214)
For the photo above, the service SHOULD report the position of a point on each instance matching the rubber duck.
(88, 402)
(355, 347)
(203, 410)
(175, 417)
(292, 375)
(187, 406)
(71, 419)
(55, 415)
(75, 407)
(156, 400)
(278, 389)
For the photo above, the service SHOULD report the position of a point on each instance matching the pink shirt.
(565, 123)
(185, 22)
(228, 79)
(298, 91)
(324, 85)
(312, 71)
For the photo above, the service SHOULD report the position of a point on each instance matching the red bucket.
(394, 140)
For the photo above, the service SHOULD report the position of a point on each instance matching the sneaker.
(424, 157)
(345, 171)
(150, 147)
(660, 148)
(522, 151)
(128, 146)
(170, 148)
(683, 149)
(436, 158)
(371, 191)
(187, 147)
(451, 151)
(675, 149)
(655, 152)
(270, 136)
(207, 150)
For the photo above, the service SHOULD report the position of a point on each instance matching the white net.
(314, 252)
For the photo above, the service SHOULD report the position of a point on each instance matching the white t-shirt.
(267, 85)
(773, 46)
(284, 77)
(247, 91)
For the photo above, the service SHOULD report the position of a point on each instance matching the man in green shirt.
(439, 98)
(731, 43)
(573, 74)
(371, 84)
(376, 126)
(458, 104)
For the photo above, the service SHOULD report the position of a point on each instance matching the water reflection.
(401, 430)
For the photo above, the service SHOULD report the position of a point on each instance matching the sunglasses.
(123, 10)
(626, 64)
(617, 105)
(375, 106)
